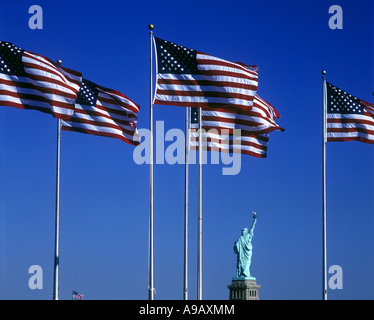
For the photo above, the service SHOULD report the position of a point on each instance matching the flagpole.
(185, 290)
(57, 211)
(324, 249)
(200, 217)
(151, 289)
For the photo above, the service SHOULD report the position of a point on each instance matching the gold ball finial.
(323, 72)
(151, 27)
(59, 62)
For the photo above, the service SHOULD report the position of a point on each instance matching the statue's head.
(244, 231)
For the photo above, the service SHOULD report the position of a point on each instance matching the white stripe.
(47, 64)
(235, 66)
(182, 77)
(170, 98)
(350, 135)
(208, 67)
(97, 119)
(50, 96)
(234, 116)
(237, 147)
(350, 125)
(36, 103)
(227, 125)
(126, 114)
(369, 126)
(174, 87)
(349, 116)
(114, 106)
(98, 129)
(37, 83)
(216, 135)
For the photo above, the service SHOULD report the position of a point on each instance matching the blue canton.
(175, 59)
(339, 101)
(11, 59)
(87, 94)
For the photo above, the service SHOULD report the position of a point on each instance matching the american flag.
(189, 78)
(104, 112)
(348, 118)
(32, 81)
(219, 124)
(77, 296)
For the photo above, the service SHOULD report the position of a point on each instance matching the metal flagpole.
(200, 217)
(324, 187)
(57, 213)
(185, 290)
(151, 289)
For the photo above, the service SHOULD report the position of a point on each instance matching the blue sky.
(104, 194)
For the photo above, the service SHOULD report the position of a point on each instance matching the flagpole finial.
(151, 27)
(59, 62)
(323, 72)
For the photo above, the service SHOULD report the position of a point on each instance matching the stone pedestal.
(243, 289)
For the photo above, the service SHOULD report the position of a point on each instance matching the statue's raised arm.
(253, 224)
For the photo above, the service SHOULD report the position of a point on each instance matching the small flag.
(77, 296)
(189, 78)
(348, 118)
(32, 81)
(219, 124)
(104, 112)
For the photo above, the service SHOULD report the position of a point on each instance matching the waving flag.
(189, 78)
(219, 124)
(104, 112)
(31, 81)
(77, 296)
(348, 118)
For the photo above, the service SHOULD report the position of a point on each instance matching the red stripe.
(230, 120)
(200, 104)
(34, 66)
(113, 93)
(99, 133)
(225, 73)
(342, 139)
(225, 140)
(206, 94)
(112, 112)
(251, 153)
(244, 133)
(31, 56)
(224, 64)
(37, 98)
(351, 121)
(26, 85)
(54, 67)
(34, 107)
(258, 104)
(252, 123)
(345, 130)
(207, 83)
(247, 132)
(49, 80)
(96, 114)
(117, 102)
(96, 123)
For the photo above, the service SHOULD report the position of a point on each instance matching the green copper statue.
(243, 249)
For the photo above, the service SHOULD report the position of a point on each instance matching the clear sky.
(104, 193)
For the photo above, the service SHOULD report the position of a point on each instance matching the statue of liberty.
(243, 249)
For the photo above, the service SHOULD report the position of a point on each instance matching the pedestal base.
(244, 290)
